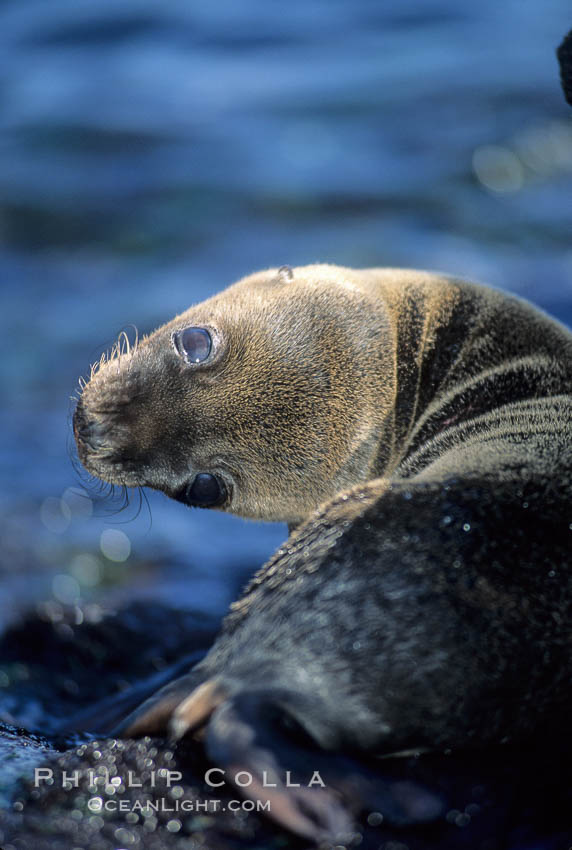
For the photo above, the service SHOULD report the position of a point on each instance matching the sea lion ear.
(285, 274)
(564, 54)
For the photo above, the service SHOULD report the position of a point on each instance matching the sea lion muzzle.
(88, 432)
(95, 438)
(111, 423)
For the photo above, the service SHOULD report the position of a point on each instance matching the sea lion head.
(263, 401)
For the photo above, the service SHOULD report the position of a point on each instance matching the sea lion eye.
(193, 344)
(205, 491)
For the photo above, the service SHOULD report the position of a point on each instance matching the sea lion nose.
(89, 433)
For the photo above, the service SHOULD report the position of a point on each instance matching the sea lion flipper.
(153, 716)
(196, 708)
(186, 704)
(267, 752)
(244, 738)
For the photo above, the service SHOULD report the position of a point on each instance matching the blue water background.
(153, 152)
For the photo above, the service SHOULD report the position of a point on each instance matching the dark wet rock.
(20, 752)
(52, 816)
(497, 799)
(63, 659)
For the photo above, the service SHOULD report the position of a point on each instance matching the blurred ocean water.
(152, 153)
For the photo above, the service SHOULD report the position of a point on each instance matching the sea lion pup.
(416, 429)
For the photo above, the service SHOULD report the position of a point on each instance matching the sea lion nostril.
(88, 432)
(79, 422)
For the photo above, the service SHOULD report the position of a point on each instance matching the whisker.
(109, 499)
(145, 498)
(126, 348)
(125, 498)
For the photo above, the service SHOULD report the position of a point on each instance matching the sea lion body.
(426, 602)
